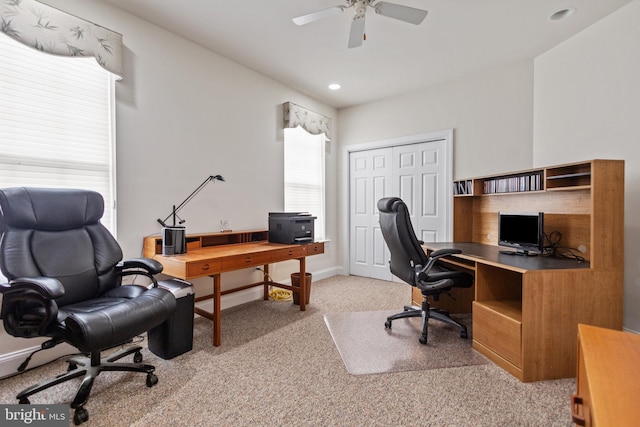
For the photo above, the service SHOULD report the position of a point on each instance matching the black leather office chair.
(65, 274)
(410, 263)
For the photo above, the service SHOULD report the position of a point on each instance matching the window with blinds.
(304, 175)
(56, 123)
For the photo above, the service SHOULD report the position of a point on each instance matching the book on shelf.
(514, 184)
(463, 187)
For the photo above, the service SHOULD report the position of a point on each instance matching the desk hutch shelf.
(526, 312)
(152, 245)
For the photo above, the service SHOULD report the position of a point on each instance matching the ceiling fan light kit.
(407, 14)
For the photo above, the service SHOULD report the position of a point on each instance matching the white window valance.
(53, 31)
(314, 123)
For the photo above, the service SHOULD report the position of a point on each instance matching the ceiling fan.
(357, 34)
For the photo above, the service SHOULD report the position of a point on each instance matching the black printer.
(291, 227)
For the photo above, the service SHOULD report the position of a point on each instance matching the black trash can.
(175, 336)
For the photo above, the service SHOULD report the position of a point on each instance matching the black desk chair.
(410, 263)
(65, 274)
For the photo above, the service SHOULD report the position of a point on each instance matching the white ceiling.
(457, 38)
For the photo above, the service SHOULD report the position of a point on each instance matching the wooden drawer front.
(202, 268)
(314, 248)
(498, 332)
(244, 261)
(288, 253)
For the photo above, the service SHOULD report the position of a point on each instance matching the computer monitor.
(522, 231)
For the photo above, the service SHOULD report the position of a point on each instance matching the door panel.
(422, 187)
(417, 174)
(370, 176)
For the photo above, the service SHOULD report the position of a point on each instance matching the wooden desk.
(607, 388)
(212, 254)
(526, 310)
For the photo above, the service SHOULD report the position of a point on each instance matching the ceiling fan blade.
(402, 13)
(356, 35)
(305, 19)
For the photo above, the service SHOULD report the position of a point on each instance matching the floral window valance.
(314, 123)
(53, 31)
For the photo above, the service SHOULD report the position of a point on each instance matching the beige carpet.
(278, 366)
(367, 347)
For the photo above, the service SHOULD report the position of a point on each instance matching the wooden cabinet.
(526, 312)
(606, 386)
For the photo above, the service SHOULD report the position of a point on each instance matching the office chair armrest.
(46, 286)
(434, 286)
(28, 305)
(150, 265)
(140, 266)
(435, 256)
(444, 252)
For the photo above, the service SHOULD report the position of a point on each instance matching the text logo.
(34, 415)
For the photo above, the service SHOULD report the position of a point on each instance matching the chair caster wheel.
(80, 415)
(463, 334)
(137, 357)
(151, 380)
(387, 324)
(24, 401)
(423, 340)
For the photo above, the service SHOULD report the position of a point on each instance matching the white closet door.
(417, 174)
(419, 171)
(370, 180)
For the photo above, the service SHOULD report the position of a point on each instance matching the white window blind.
(56, 123)
(304, 175)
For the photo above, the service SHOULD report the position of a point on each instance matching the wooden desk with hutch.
(526, 311)
(212, 254)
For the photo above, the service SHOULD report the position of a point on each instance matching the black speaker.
(174, 240)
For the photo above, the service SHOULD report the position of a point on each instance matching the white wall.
(587, 105)
(491, 114)
(184, 113)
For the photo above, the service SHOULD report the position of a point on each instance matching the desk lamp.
(174, 236)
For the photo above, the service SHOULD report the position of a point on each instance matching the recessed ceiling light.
(562, 14)
(334, 86)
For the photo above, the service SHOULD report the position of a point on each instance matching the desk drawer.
(245, 261)
(287, 253)
(203, 268)
(313, 248)
(499, 332)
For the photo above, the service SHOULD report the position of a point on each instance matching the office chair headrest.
(49, 209)
(387, 204)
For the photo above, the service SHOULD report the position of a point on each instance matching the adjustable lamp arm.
(188, 199)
